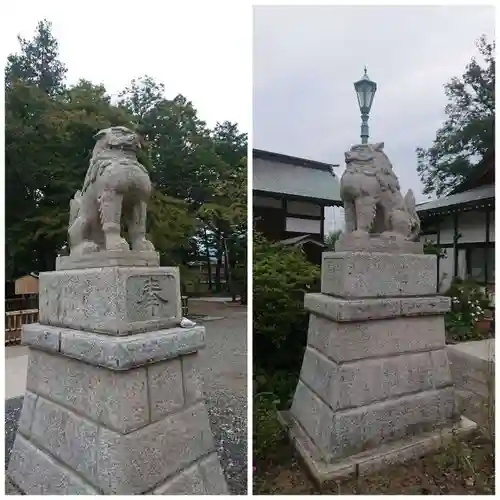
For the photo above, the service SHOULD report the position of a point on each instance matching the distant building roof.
(298, 241)
(297, 177)
(468, 199)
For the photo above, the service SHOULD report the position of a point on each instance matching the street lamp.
(365, 90)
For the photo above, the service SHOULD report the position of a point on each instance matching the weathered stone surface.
(204, 478)
(166, 394)
(372, 198)
(342, 433)
(111, 258)
(215, 483)
(116, 399)
(164, 448)
(70, 438)
(345, 310)
(27, 413)
(111, 300)
(41, 337)
(344, 342)
(365, 275)
(187, 482)
(360, 383)
(116, 353)
(414, 306)
(116, 189)
(393, 452)
(369, 243)
(37, 473)
(193, 383)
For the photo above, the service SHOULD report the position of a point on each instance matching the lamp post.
(365, 90)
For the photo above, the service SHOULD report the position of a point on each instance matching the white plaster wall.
(472, 227)
(446, 230)
(309, 226)
(446, 270)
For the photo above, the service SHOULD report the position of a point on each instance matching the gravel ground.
(224, 369)
(224, 365)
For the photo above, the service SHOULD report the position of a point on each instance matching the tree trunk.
(209, 267)
(219, 265)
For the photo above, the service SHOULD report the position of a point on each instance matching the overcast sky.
(307, 58)
(113, 42)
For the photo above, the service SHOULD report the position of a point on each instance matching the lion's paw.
(116, 243)
(142, 245)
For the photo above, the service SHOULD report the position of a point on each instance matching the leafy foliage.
(281, 277)
(468, 133)
(468, 305)
(267, 431)
(332, 238)
(49, 139)
(38, 64)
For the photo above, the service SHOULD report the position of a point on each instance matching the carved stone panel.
(151, 297)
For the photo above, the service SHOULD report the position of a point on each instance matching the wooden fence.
(14, 321)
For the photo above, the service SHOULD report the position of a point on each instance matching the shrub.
(267, 430)
(281, 277)
(468, 305)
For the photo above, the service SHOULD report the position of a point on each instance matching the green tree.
(38, 63)
(469, 130)
(332, 238)
(192, 163)
(48, 145)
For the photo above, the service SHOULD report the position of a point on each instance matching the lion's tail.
(410, 203)
(74, 207)
(411, 209)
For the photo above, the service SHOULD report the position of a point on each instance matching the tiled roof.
(281, 174)
(480, 194)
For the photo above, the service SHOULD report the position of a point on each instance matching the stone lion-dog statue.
(115, 184)
(373, 203)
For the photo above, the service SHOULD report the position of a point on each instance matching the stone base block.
(86, 429)
(350, 310)
(111, 300)
(363, 382)
(112, 258)
(343, 433)
(373, 275)
(115, 353)
(350, 242)
(365, 462)
(344, 342)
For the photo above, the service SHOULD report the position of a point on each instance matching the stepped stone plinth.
(375, 385)
(114, 401)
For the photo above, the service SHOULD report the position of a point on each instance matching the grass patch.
(463, 468)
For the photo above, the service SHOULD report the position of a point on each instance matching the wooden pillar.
(486, 246)
(455, 241)
(284, 208)
(322, 227)
(438, 243)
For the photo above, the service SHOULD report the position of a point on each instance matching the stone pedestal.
(114, 401)
(375, 385)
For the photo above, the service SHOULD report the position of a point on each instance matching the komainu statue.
(115, 183)
(373, 203)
